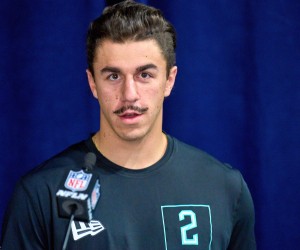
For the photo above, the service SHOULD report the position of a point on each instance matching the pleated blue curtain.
(236, 96)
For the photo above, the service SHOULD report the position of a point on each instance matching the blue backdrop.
(237, 93)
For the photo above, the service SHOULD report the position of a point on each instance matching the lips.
(129, 115)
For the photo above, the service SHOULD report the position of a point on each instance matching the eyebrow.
(109, 69)
(147, 66)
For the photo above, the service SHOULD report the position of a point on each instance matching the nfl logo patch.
(78, 181)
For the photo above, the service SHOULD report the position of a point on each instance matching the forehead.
(129, 53)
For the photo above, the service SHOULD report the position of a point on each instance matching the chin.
(132, 135)
(131, 138)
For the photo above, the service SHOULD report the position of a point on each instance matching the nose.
(130, 90)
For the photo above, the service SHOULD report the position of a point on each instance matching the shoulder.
(219, 179)
(47, 173)
(198, 157)
(201, 166)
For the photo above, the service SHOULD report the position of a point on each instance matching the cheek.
(109, 95)
(155, 98)
(105, 99)
(157, 91)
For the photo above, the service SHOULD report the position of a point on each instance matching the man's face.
(130, 84)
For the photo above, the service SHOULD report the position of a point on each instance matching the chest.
(156, 214)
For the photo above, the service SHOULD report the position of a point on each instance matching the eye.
(145, 75)
(113, 77)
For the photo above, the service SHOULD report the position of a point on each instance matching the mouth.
(130, 111)
(130, 114)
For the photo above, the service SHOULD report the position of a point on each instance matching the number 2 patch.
(187, 227)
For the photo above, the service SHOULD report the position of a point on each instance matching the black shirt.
(187, 200)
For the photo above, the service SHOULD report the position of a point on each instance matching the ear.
(170, 81)
(92, 83)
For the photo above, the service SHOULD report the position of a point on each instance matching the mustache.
(130, 107)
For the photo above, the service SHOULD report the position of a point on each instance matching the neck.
(137, 154)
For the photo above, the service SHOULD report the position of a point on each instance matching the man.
(156, 192)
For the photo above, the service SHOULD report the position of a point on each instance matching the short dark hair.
(129, 20)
